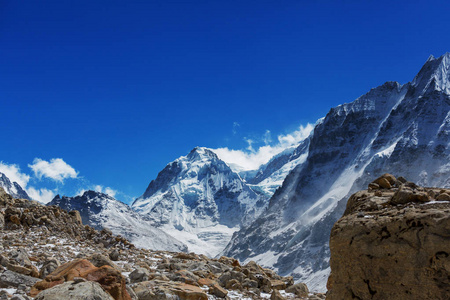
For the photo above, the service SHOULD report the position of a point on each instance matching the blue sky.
(117, 89)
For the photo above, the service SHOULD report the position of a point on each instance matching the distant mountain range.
(102, 211)
(281, 214)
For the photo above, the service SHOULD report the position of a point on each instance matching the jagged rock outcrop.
(392, 243)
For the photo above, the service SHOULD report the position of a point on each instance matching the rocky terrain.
(47, 253)
(393, 242)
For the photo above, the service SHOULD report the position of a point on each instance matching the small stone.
(443, 197)
(276, 295)
(233, 284)
(373, 186)
(384, 183)
(139, 275)
(278, 285)
(218, 291)
(114, 255)
(299, 289)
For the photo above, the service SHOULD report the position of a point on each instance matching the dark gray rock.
(75, 291)
(12, 279)
(139, 275)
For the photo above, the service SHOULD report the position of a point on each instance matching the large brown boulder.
(109, 278)
(111, 281)
(384, 249)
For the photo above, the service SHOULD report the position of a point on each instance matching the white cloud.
(105, 190)
(41, 195)
(57, 169)
(251, 159)
(14, 174)
(267, 137)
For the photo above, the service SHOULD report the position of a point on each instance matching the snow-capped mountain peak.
(100, 211)
(12, 188)
(198, 199)
(201, 154)
(434, 75)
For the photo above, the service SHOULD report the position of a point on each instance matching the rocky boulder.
(157, 289)
(109, 278)
(392, 243)
(76, 291)
(12, 279)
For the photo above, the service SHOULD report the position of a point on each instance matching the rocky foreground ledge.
(47, 253)
(393, 242)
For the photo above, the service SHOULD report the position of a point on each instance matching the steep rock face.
(102, 211)
(393, 128)
(13, 188)
(270, 176)
(384, 250)
(200, 200)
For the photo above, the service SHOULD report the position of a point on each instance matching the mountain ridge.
(102, 211)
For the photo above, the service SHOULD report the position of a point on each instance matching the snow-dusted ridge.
(12, 188)
(103, 211)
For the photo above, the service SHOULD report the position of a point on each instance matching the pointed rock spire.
(434, 75)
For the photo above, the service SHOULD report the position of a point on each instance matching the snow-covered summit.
(13, 188)
(200, 200)
(434, 75)
(103, 211)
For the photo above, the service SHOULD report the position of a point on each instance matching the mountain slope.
(102, 211)
(400, 129)
(13, 188)
(270, 176)
(200, 200)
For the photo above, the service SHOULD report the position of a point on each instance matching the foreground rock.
(393, 242)
(76, 291)
(109, 278)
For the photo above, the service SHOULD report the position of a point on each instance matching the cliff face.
(392, 243)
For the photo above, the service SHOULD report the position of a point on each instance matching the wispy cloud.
(98, 188)
(12, 171)
(56, 169)
(236, 126)
(42, 195)
(252, 159)
(105, 190)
